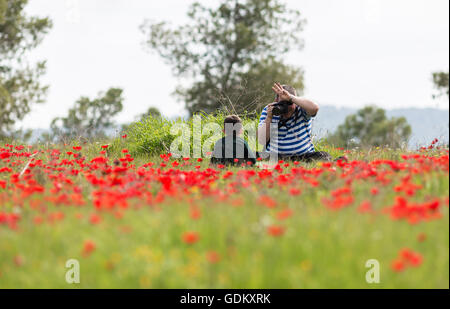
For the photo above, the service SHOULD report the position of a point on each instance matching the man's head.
(289, 89)
(233, 124)
(291, 107)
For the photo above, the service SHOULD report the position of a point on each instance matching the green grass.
(320, 248)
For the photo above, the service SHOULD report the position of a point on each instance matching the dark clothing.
(232, 150)
(228, 149)
(309, 157)
(305, 157)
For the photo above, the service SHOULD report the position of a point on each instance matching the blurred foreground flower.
(88, 247)
(275, 230)
(190, 237)
(213, 257)
(406, 258)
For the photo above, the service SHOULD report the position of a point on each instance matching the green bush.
(152, 135)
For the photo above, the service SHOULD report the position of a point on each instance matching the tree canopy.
(440, 80)
(90, 118)
(151, 111)
(19, 80)
(370, 127)
(233, 53)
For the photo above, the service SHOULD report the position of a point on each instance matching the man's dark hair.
(234, 124)
(290, 89)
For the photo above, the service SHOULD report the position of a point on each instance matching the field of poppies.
(160, 222)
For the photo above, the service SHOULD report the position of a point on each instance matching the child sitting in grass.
(232, 149)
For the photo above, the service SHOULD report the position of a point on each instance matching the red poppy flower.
(195, 213)
(421, 237)
(295, 191)
(365, 207)
(88, 247)
(38, 220)
(275, 230)
(407, 257)
(416, 259)
(398, 265)
(18, 260)
(267, 201)
(406, 253)
(213, 257)
(95, 219)
(284, 214)
(190, 237)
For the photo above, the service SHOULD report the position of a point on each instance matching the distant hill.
(426, 123)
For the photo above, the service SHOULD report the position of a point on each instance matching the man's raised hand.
(283, 94)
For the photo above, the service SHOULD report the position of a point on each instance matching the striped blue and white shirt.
(293, 139)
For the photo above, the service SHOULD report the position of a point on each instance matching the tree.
(19, 81)
(440, 80)
(90, 118)
(254, 90)
(233, 53)
(152, 111)
(370, 127)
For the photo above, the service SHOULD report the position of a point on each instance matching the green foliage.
(151, 112)
(19, 81)
(154, 136)
(370, 127)
(90, 118)
(151, 135)
(440, 80)
(324, 145)
(233, 52)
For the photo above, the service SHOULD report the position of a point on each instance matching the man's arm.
(309, 106)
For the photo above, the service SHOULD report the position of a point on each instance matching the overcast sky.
(356, 52)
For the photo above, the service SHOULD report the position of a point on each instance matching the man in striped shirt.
(289, 136)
